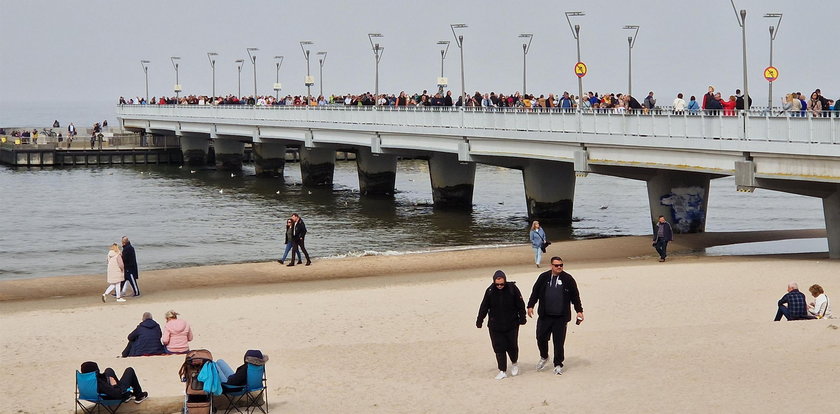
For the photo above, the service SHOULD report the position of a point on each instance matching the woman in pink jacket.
(176, 334)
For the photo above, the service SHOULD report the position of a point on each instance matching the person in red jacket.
(729, 106)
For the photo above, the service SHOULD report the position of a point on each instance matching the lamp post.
(631, 41)
(278, 63)
(377, 54)
(576, 33)
(145, 64)
(443, 53)
(213, 68)
(308, 81)
(321, 61)
(459, 40)
(773, 31)
(742, 21)
(174, 60)
(239, 63)
(525, 48)
(253, 59)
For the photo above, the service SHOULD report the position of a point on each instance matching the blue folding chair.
(252, 394)
(86, 391)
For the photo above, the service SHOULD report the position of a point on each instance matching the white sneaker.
(541, 364)
(104, 296)
(558, 370)
(120, 300)
(501, 375)
(514, 370)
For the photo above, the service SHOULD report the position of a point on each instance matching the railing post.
(787, 115)
(810, 127)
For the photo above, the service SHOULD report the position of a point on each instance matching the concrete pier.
(452, 181)
(194, 149)
(317, 166)
(377, 173)
(229, 153)
(269, 159)
(682, 197)
(549, 191)
(831, 209)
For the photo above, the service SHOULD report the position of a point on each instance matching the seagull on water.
(278, 192)
(192, 171)
(221, 191)
(232, 175)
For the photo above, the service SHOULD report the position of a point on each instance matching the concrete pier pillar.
(452, 181)
(317, 166)
(549, 191)
(831, 209)
(269, 158)
(194, 150)
(682, 197)
(377, 173)
(229, 154)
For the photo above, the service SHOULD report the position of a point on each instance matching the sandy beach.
(396, 334)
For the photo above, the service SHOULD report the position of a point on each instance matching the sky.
(74, 50)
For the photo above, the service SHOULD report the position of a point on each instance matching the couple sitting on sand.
(792, 304)
(147, 338)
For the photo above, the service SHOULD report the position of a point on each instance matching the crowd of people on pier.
(713, 102)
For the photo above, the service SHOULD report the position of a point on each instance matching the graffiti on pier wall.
(686, 208)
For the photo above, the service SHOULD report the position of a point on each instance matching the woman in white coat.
(116, 273)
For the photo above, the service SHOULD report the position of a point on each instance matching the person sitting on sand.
(820, 307)
(176, 334)
(113, 388)
(795, 301)
(145, 339)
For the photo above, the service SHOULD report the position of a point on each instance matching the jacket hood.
(150, 324)
(177, 325)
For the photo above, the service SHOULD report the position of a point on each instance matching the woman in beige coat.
(116, 273)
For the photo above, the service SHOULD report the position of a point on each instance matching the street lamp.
(576, 34)
(459, 40)
(525, 48)
(174, 60)
(377, 53)
(145, 64)
(773, 31)
(441, 81)
(213, 68)
(253, 59)
(308, 81)
(321, 70)
(631, 41)
(742, 21)
(277, 85)
(239, 63)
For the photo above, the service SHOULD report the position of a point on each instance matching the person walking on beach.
(503, 301)
(792, 305)
(662, 237)
(298, 235)
(129, 258)
(537, 236)
(289, 243)
(556, 291)
(114, 273)
(176, 334)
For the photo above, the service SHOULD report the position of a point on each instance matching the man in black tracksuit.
(504, 302)
(556, 291)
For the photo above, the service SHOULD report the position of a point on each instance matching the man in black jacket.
(504, 302)
(556, 291)
(298, 235)
(130, 262)
(145, 339)
(115, 388)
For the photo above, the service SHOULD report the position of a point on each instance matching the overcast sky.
(91, 50)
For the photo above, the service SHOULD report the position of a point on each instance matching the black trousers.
(132, 280)
(128, 379)
(553, 327)
(505, 343)
(299, 244)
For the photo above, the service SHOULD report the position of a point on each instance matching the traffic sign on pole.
(771, 73)
(580, 69)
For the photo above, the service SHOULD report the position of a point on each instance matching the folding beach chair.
(86, 391)
(196, 400)
(251, 396)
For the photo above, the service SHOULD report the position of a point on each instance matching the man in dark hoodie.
(131, 272)
(145, 339)
(115, 388)
(504, 302)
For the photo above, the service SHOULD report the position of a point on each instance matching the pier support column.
(452, 181)
(229, 154)
(194, 150)
(317, 166)
(831, 209)
(682, 197)
(269, 158)
(549, 191)
(377, 173)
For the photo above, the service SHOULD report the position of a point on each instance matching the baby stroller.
(198, 369)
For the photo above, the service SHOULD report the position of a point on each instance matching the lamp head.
(443, 42)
